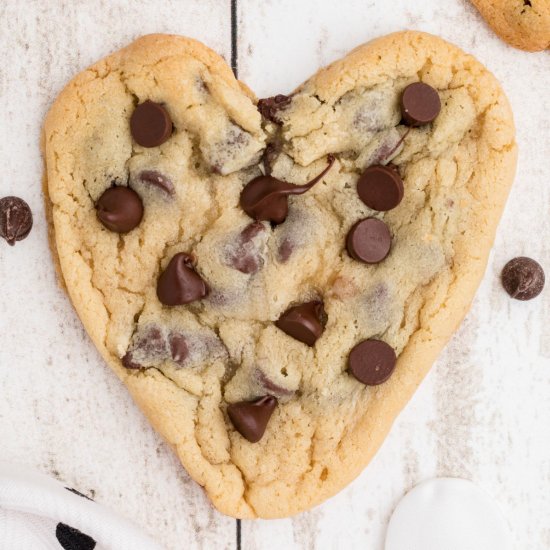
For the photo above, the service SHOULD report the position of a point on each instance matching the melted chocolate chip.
(179, 350)
(285, 250)
(245, 257)
(270, 107)
(265, 198)
(389, 149)
(523, 278)
(179, 283)
(158, 180)
(420, 104)
(270, 154)
(149, 345)
(250, 418)
(150, 124)
(129, 362)
(268, 385)
(15, 219)
(119, 209)
(372, 362)
(380, 187)
(369, 241)
(305, 322)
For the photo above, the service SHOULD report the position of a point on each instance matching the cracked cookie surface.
(184, 364)
(524, 24)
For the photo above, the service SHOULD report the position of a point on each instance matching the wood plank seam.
(234, 52)
(235, 67)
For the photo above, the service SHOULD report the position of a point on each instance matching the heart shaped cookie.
(273, 280)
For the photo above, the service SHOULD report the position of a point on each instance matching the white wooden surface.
(482, 413)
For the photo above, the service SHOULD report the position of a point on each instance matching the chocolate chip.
(420, 104)
(269, 156)
(15, 219)
(523, 278)
(265, 198)
(179, 283)
(150, 124)
(119, 209)
(156, 179)
(372, 362)
(305, 322)
(245, 257)
(250, 418)
(380, 187)
(369, 241)
(129, 362)
(270, 106)
(178, 347)
(285, 250)
(148, 346)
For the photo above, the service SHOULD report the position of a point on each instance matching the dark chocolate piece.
(369, 241)
(179, 283)
(523, 278)
(305, 322)
(420, 104)
(372, 362)
(119, 209)
(150, 124)
(15, 219)
(250, 418)
(265, 198)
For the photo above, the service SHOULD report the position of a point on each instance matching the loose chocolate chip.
(523, 278)
(250, 418)
(420, 104)
(265, 198)
(380, 187)
(15, 219)
(150, 124)
(245, 257)
(179, 283)
(305, 322)
(270, 106)
(372, 362)
(119, 209)
(369, 241)
(178, 347)
(156, 179)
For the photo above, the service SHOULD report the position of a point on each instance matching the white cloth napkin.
(40, 513)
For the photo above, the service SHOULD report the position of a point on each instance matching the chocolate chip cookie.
(273, 279)
(524, 24)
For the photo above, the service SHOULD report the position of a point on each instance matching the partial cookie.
(524, 24)
(272, 282)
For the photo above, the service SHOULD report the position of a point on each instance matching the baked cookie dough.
(524, 24)
(272, 281)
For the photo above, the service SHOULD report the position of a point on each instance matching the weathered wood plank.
(62, 411)
(483, 411)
